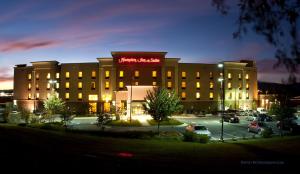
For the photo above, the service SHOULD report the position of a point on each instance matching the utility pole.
(221, 65)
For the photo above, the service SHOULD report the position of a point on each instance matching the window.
(211, 75)
(67, 85)
(29, 86)
(93, 74)
(79, 96)
(57, 95)
(121, 84)
(37, 76)
(136, 83)
(198, 85)
(136, 73)
(211, 95)
(183, 74)
(80, 74)
(183, 95)
(37, 86)
(229, 75)
(48, 75)
(240, 76)
(37, 95)
(67, 96)
(106, 85)
(93, 85)
(240, 86)
(121, 74)
(29, 95)
(240, 95)
(169, 74)
(211, 85)
(169, 85)
(154, 74)
(48, 85)
(198, 75)
(153, 83)
(67, 75)
(183, 85)
(247, 95)
(229, 85)
(48, 95)
(221, 74)
(93, 97)
(197, 95)
(247, 86)
(29, 76)
(57, 75)
(106, 74)
(79, 85)
(247, 77)
(57, 85)
(230, 95)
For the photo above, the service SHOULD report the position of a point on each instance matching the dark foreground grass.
(41, 148)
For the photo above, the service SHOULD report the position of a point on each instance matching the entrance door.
(93, 107)
(106, 107)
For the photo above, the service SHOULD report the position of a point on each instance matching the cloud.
(25, 45)
(5, 74)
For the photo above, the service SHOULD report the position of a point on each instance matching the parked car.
(257, 127)
(251, 117)
(199, 129)
(264, 117)
(261, 110)
(292, 124)
(231, 118)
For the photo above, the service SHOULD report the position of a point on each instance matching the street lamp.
(222, 80)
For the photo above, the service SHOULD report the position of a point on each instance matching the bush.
(52, 126)
(267, 133)
(203, 138)
(124, 123)
(189, 136)
(169, 121)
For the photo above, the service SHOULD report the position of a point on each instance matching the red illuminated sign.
(138, 60)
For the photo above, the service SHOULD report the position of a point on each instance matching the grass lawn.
(170, 121)
(124, 123)
(35, 146)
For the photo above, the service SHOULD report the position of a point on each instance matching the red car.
(255, 127)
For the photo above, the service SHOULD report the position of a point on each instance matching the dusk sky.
(82, 30)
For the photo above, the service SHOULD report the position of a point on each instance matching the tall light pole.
(222, 80)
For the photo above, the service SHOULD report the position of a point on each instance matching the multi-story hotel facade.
(124, 78)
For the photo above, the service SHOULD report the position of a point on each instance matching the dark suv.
(264, 117)
(292, 124)
(231, 118)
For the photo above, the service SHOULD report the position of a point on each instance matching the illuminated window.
(169, 85)
(93, 74)
(93, 85)
(57, 85)
(57, 75)
(197, 95)
(136, 73)
(247, 95)
(169, 74)
(240, 95)
(247, 76)
(183, 85)
(48, 75)
(198, 85)
(48, 85)
(230, 95)
(136, 83)
(240, 85)
(229, 75)
(80, 96)
(247, 86)
(37, 95)
(229, 85)
(48, 95)
(198, 75)
(221, 74)
(29, 95)
(183, 95)
(106, 85)
(67, 95)
(29, 86)
(211, 95)
(37, 86)
(154, 73)
(153, 83)
(240, 76)
(93, 97)
(106, 74)
(79, 85)
(37, 76)
(211, 85)
(57, 95)
(67, 75)
(183, 74)
(29, 76)
(211, 75)
(67, 85)
(121, 74)
(80, 74)
(121, 84)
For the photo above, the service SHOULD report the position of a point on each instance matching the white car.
(199, 129)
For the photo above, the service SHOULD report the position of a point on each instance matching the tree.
(53, 105)
(277, 21)
(161, 103)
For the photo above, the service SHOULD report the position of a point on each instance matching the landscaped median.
(166, 122)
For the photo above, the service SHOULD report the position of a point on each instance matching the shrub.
(189, 136)
(168, 121)
(203, 138)
(52, 126)
(267, 133)
(124, 123)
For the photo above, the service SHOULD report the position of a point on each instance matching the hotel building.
(126, 76)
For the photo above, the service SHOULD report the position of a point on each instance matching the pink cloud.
(25, 45)
(5, 74)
